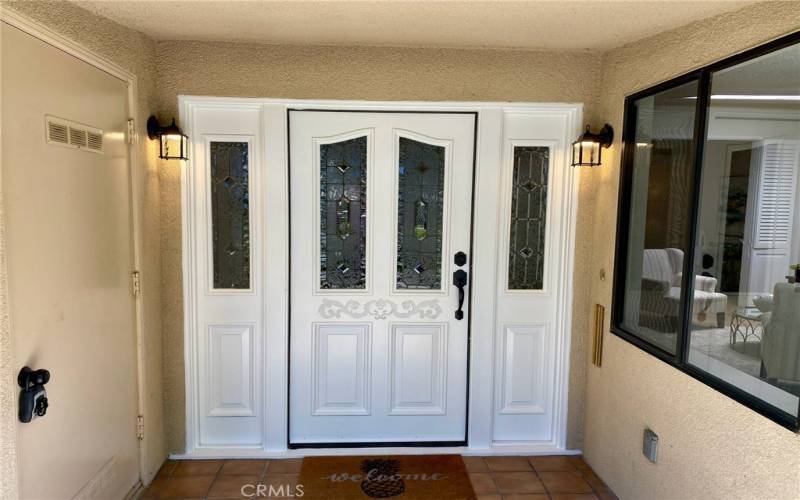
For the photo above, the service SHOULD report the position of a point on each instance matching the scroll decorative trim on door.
(380, 309)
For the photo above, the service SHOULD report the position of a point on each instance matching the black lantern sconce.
(172, 139)
(586, 151)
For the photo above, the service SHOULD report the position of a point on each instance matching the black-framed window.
(709, 227)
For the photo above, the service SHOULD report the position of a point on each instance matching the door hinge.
(140, 427)
(136, 283)
(131, 130)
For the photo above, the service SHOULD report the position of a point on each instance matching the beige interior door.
(69, 244)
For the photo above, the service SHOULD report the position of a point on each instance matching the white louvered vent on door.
(77, 137)
(95, 141)
(777, 185)
(74, 135)
(57, 132)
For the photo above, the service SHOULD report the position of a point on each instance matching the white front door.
(381, 204)
(320, 304)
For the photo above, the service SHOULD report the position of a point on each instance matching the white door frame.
(275, 226)
(77, 50)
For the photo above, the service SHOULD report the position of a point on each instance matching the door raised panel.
(230, 371)
(523, 382)
(418, 369)
(341, 369)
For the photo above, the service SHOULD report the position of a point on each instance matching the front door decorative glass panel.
(230, 214)
(420, 202)
(343, 214)
(528, 218)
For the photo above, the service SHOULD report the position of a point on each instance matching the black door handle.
(460, 281)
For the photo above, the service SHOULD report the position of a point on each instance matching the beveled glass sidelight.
(420, 208)
(343, 214)
(230, 215)
(528, 218)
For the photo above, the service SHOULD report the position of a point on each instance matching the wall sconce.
(586, 150)
(173, 140)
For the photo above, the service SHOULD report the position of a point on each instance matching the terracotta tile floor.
(493, 478)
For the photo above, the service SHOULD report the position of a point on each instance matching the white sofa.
(780, 345)
(661, 290)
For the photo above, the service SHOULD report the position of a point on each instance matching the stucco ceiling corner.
(508, 24)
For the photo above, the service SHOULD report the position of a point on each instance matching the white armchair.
(661, 292)
(780, 345)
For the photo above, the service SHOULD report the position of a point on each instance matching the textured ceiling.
(562, 25)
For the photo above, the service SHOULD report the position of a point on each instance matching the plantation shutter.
(776, 194)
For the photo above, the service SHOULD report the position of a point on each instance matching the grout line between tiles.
(211, 484)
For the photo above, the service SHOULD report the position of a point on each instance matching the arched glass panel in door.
(420, 210)
(343, 214)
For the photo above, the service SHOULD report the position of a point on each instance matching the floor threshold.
(496, 450)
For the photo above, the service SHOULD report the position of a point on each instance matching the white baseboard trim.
(495, 450)
(135, 492)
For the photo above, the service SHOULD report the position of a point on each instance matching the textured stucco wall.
(134, 52)
(372, 73)
(368, 73)
(710, 446)
(8, 386)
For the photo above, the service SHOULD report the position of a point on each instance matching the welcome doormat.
(404, 477)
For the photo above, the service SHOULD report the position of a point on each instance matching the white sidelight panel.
(536, 191)
(225, 281)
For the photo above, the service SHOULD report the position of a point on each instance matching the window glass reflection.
(659, 214)
(746, 311)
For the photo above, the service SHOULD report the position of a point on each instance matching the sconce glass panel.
(173, 147)
(586, 153)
